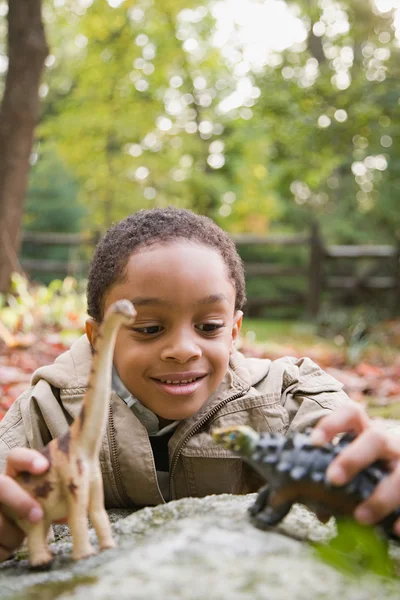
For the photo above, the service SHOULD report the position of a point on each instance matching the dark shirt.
(159, 445)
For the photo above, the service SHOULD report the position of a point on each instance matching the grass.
(280, 331)
(290, 337)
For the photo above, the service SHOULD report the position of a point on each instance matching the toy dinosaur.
(295, 470)
(72, 487)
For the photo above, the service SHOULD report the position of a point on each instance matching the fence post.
(315, 271)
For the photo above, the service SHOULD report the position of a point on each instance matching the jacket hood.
(72, 368)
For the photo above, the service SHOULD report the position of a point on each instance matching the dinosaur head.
(241, 438)
(123, 309)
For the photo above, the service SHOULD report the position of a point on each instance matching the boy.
(176, 375)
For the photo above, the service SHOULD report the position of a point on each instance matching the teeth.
(178, 382)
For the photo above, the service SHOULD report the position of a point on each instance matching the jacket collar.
(70, 370)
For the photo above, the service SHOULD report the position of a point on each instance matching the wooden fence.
(75, 243)
(380, 277)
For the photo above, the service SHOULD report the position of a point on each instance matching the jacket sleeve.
(33, 420)
(309, 394)
(12, 432)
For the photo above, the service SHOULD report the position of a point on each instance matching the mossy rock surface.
(193, 549)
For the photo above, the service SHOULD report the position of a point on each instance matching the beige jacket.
(280, 396)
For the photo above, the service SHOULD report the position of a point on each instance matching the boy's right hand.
(15, 497)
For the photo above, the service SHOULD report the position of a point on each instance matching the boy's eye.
(150, 330)
(209, 327)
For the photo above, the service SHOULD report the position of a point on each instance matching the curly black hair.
(149, 227)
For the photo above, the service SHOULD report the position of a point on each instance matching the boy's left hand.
(373, 442)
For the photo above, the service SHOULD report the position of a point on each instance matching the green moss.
(21, 554)
(54, 589)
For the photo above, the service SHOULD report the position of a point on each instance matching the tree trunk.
(27, 50)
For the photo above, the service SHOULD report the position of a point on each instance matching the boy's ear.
(92, 330)
(237, 324)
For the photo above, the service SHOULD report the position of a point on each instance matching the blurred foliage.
(147, 108)
(145, 103)
(135, 123)
(30, 308)
(52, 206)
(51, 203)
(357, 550)
(352, 329)
(361, 332)
(331, 105)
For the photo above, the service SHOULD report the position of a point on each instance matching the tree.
(135, 113)
(330, 105)
(27, 50)
(146, 108)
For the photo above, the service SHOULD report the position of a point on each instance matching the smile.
(181, 381)
(179, 387)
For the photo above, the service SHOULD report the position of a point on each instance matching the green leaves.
(357, 550)
(62, 304)
(138, 93)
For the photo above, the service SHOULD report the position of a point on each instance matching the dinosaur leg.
(271, 516)
(266, 512)
(99, 516)
(78, 522)
(261, 500)
(39, 553)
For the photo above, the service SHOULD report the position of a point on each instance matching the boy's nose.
(181, 348)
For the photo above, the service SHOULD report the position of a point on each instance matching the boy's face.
(177, 352)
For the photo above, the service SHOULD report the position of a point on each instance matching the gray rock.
(193, 549)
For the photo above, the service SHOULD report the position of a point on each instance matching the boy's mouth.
(179, 384)
(181, 381)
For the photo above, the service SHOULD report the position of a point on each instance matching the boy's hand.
(373, 442)
(16, 498)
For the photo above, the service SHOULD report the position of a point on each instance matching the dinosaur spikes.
(284, 466)
(351, 487)
(270, 458)
(302, 442)
(317, 476)
(298, 472)
(366, 489)
(375, 474)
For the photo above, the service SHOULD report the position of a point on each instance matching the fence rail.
(58, 239)
(317, 272)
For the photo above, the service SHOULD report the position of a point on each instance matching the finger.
(11, 535)
(15, 497)
(384, 500)
(26, 459)
(351, 417)
(369, 446)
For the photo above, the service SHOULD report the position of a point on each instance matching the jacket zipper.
(194, 430)
(123, 496)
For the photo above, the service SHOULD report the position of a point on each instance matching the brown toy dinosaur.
(72, 487)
